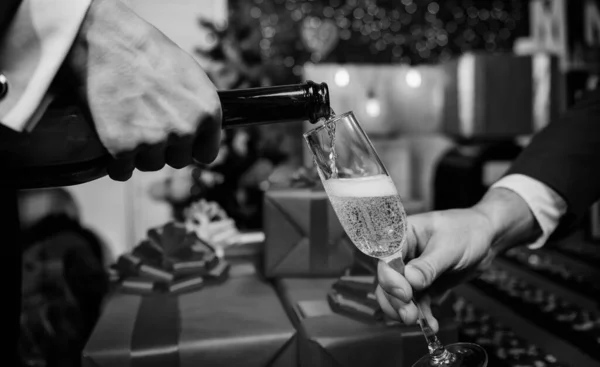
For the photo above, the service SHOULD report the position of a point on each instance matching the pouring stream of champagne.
(330, 126)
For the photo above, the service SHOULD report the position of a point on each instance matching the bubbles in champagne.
(371, 213)
(330, 127)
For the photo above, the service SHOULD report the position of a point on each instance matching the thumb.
(422, 271)
(208, 140)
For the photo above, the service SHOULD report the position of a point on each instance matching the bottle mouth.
(320, 93)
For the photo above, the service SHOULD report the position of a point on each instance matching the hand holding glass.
(367, 204)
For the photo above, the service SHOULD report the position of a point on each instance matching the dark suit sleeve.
(566, 157)
(8, 8)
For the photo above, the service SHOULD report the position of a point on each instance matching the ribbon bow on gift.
(211, 224)
(171, 259)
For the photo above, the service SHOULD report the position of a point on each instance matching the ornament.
(320, 36)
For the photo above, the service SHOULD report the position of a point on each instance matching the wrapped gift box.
(499, 96)
(354, 296)
(239, 322)
(304, 238)
(249, 245)
(326, 338)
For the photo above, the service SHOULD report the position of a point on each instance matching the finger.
(180, 152)
(208, 139)
(425, 307)
(410, 246)
(422, 271)
(151, 157)
(121, 169)
(393, 282)
(407, 312)
(416, 234)
(385, 305)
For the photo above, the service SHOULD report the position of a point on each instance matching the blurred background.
(420, 75)
(448, 91)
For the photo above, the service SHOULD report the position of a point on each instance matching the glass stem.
(438, 353)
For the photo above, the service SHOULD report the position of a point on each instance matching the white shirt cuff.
(31, 53)
(545, 204)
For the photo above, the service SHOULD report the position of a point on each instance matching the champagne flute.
(369, 208)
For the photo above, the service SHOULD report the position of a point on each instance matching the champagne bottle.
(63, 149)
(243, 107)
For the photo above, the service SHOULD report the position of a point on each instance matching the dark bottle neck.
(299, 102)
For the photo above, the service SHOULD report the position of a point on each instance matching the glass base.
(465, 355)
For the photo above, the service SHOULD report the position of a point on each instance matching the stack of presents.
(302, 297)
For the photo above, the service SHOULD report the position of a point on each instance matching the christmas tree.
(276, 38)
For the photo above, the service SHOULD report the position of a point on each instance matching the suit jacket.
(8, 8)
(566, 157)
(35, 38)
